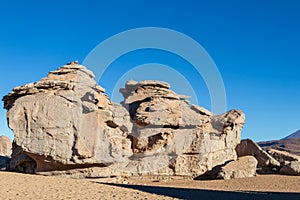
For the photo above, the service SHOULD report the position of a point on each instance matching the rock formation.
(283, 157)
(5, 146)
(292, 168)
(65, 121)
(271, 160)
(167, 129)
(66, 124)
(5, 152)
(266, 163)
(290, 164)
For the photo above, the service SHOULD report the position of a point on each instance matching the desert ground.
(22, 186)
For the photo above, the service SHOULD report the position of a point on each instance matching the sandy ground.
(21, 186)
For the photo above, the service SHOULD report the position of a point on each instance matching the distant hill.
(291, 145)
(293, 135)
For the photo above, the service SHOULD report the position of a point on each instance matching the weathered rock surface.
(293, 168)
(290, 164)
(65, 124)
(5, 146)
(283, 157)
(243, 167)
(266, 163)
(190, 138)
(65, 121)
(5, 152)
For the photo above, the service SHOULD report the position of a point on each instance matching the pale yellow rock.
(249, 148)
(5, 146)
(242, 168)
(282, 156)
(66, 125)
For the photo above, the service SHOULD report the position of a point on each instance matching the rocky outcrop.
(65, 121)
(290, 164)
(5, 146)
(242, 168)
(266, 163)
(188, 139)
(5, 152)
(283, 157)
(65, 124)
(293, 168)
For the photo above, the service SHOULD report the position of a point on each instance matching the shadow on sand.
(185, 193)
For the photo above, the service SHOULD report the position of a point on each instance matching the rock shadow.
(190, 194)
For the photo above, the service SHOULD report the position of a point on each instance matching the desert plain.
(23, 186)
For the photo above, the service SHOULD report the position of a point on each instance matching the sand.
(22, 186)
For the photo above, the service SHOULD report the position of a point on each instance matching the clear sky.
(254, 43)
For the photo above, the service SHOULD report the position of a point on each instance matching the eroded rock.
(266, 163)
(5, 152)
(283, 157)
(65, 124)
(5, 146)
(65, 121)
(293, 168)
(192, 139)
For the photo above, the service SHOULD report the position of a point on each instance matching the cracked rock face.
(66, 123)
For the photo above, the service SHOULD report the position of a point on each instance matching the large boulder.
(65, 121)
(65, 124)
(266, 163)
(242, 168)
(168, 130)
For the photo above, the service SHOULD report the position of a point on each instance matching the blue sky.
(255, 45)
